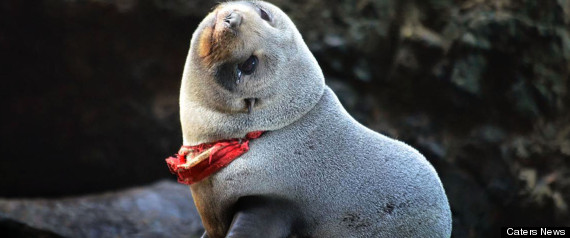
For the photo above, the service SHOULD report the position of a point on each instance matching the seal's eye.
(264, 15)
(249, 65)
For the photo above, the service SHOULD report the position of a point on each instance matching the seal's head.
(248, 69)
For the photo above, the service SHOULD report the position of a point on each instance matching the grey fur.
(316, 169)
(288, 81)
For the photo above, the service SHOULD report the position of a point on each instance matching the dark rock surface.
(163, 209)
(478, 86)
(10, 228)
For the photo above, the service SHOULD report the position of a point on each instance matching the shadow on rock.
(163, 209)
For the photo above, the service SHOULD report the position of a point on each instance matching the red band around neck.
(222, 153)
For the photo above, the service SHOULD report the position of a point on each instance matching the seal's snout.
(217, 40)
(233, 19)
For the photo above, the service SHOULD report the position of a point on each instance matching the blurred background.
(90, 105)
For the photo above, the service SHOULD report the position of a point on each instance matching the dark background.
(480, 87)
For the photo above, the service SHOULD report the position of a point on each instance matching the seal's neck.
(194, 163)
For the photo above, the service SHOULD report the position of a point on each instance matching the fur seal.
(316, 172)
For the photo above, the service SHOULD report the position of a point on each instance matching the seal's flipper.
(257, 218)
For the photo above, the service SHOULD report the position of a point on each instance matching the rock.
(14, 229)
(163, 209)
(468, 72)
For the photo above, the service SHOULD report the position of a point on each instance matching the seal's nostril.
(233, 19)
